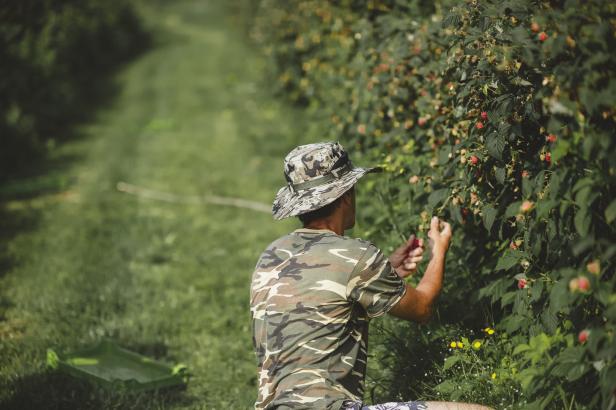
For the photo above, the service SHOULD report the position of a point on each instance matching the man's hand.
(417, 303)
(405, 259)
(440, 236)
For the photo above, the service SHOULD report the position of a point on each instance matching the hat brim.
(289, 204)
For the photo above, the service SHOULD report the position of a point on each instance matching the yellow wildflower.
(490, 331)
(493, 376)
(460, 345)
(476, 344)
(452, 344)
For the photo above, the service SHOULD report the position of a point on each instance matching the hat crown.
(307, 162)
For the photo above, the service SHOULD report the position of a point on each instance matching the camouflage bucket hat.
(316, 174)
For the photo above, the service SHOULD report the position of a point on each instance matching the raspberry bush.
(500, 117)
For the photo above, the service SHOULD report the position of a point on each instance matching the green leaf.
(559, 295)
(582, 221)
(500, 173)
(610, 212)
(451, 360)
(446, 387)
(513, 209)
(520, 348)
(496, 145)
(544, 207)
(582, 246)
(581, 197)
(508, 260)
(560, 150)
(489, 215)
(526, 376)
(508, 298)
(437, 197)
(581, 184)
(570, 363)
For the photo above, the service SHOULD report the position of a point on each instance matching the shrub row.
(54, 54)
(500, 117)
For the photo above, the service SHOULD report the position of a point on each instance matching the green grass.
(80, 261)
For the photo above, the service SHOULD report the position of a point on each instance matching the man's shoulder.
(322, 242)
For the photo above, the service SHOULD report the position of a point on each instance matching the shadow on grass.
(53, 390)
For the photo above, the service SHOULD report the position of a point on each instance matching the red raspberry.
(543, 36)
(548, 157)
(583, 336)
(551, 138)
(534, 27)
(522, 283)
(416, 243)
(479, 125)
(583, 283)
(484, 115)
(474, 160)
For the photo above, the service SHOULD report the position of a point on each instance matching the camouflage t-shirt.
(312, 295)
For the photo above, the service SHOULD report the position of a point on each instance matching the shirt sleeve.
(374, 284)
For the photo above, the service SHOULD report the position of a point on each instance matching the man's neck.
(326, 224)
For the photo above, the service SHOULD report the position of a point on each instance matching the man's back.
(312, 295)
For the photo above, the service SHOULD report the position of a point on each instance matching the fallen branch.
(192, 199)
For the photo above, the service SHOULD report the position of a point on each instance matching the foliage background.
(498, 116)
(55, 56)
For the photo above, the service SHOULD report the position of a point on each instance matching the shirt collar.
(308, 230)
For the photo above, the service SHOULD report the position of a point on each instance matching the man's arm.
(417, 303)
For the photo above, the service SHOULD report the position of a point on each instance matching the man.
(314, 290)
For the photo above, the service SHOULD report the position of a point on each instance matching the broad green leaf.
(520, 348)
(489, 214)
(610, 212)
(582, 221)
(451, 360)
(508, 298)
(436, 197)
(544, 207)
(446, 387)
(500, 173)
(526, 376)
(513, 209)
(561, 149)
(508, 260)
(581, 184)
(496, 145)
(559, 295)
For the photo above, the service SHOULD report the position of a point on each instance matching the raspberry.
(583, 283)
(583, 336)
(522, 283)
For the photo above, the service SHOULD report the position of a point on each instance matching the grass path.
(169, 280)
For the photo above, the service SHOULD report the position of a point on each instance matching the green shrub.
(54, 57)
(500, 117)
